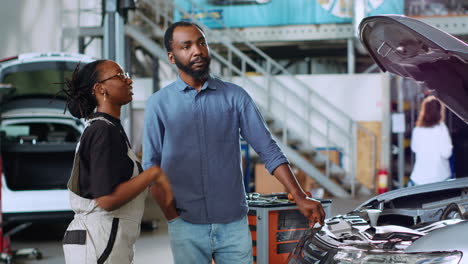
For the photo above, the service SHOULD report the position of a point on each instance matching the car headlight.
(373, 257)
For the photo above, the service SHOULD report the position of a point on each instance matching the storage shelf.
(294, 33)
(455, 25)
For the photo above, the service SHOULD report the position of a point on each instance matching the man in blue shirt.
(192, 129)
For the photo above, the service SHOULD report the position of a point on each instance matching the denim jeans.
(200, 243)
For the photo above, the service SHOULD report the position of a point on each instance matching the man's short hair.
(170, 32)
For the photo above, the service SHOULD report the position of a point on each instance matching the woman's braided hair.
(81, 101)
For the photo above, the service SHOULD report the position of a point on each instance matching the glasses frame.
(123, 76)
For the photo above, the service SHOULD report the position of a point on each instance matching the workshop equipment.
(276, 225)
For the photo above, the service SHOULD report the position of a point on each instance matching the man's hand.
(311, 209)
(161, 192)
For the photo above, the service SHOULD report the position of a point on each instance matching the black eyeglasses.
(123, 76)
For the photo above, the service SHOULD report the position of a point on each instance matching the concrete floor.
(151, 247)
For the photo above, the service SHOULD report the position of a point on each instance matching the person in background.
(431, 143)
(192, 130)
(107, 186)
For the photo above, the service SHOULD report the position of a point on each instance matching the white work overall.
(98, 236)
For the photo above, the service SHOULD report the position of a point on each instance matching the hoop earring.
(105, 97)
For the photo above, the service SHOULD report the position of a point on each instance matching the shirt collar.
(182, 86)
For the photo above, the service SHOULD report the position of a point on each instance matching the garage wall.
(358, 95)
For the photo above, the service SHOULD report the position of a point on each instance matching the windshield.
(38, 78)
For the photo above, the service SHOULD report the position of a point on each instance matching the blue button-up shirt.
(195, 138)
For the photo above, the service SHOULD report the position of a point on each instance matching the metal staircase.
(300, 119)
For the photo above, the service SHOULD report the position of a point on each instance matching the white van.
(37, 138)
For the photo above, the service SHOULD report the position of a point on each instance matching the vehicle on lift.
(37, 138)
(420, 224)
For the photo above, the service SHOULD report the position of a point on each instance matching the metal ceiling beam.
(455, 25)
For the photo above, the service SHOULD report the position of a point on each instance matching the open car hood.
(410, 48)
(417, 224)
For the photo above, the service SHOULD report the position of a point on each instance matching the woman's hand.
(154, 172)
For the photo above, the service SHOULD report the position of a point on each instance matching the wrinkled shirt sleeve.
(445, 142)
(415, 141)
(153, 135)
(255, 132)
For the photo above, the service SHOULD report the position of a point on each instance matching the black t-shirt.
(104, 162)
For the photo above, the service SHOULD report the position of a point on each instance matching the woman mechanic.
(107, 186)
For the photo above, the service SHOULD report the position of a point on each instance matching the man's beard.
(196, 74)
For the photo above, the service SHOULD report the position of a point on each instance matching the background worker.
(107, 187)
(192, 130)
(430, 141)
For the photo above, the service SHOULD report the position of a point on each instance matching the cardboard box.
(265, 182)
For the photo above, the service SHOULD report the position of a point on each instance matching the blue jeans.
(200, 243)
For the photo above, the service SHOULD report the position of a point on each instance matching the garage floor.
(151, 247)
